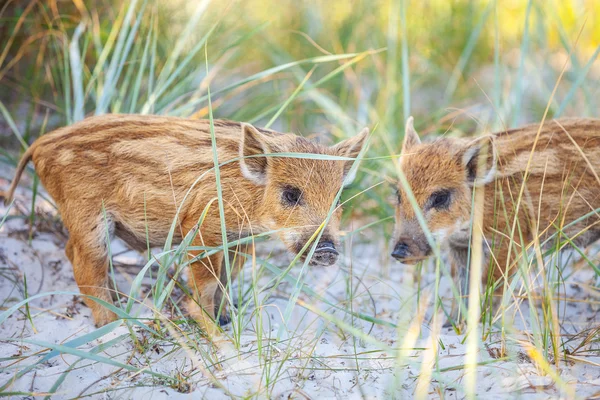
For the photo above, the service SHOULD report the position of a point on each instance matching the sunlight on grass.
(323, 70)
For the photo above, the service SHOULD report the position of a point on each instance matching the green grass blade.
(581, 77)
(518, 94)
(77, 74)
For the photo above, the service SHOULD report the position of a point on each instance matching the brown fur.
(139, 169)
(561, 186)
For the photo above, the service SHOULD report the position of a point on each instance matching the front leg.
(203, 278)
(498, 275)
(237, 258)
(459, 257)
(204, 282)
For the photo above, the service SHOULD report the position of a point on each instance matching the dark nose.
(325, 253)
(326, 246)
(401, 252)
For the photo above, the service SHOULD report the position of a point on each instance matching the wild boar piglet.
(555, 171)
(129, 175)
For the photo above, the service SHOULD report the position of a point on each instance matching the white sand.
(316, 359)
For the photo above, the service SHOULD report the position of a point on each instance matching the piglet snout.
(325, 253)
(401, 252)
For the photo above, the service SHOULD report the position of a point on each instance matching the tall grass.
(467, 67)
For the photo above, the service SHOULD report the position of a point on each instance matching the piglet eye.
(291, 196)
(440, 200)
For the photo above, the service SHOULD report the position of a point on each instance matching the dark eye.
(440, 200)
(291, 196)
(398, 196)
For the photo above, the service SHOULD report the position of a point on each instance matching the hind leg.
(90, 268)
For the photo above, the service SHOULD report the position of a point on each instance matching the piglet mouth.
(324, 255)
(410, 260)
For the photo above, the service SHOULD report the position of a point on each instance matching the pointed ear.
(411, 137)
(479, 159)
(253, 144)
(351, 148)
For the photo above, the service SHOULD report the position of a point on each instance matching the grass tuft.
(369, 328)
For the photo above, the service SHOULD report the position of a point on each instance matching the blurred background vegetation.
(460, 66)
(320, 68)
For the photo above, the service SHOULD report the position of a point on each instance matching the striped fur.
(139, 170)
(561, 186)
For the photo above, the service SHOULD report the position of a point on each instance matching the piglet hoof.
(115, 294)
(224, 319)
(103, 316)
(447, 324)
(458, 325)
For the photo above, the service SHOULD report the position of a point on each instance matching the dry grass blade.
(368, 328)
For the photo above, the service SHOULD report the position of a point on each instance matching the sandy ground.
(315, 358)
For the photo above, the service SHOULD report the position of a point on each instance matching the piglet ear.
(411, 137)
(479, 159)
(253, 144)
(351, 148)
